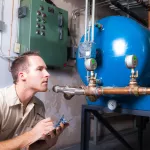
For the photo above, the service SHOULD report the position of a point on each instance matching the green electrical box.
(44, 28)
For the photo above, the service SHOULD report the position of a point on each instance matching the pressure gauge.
(112, 104)
(131, 61)
(90, 64)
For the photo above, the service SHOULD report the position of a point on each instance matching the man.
(22, 123)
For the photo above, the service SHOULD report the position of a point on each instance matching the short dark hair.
(21, 63)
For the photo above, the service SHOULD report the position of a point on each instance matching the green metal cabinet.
(44, 28)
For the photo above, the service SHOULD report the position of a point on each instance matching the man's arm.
(19, 142)
(39, 131)
(42, 144)
(50, 139)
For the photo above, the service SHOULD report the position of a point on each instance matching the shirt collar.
(13, 99)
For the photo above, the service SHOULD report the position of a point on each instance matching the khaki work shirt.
(12, 120)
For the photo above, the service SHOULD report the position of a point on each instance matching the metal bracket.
(85, 127)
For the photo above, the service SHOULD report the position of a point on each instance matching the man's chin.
(44, 89)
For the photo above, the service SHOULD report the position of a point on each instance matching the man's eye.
(40, 69)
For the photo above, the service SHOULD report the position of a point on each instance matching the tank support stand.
(85, 127)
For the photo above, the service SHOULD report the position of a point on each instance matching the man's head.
(30, 69)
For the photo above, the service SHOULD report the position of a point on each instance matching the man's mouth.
(45, 82)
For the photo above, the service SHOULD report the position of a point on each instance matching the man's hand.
(42, 128)
(61, 128)
(31, 138)
(52, 137)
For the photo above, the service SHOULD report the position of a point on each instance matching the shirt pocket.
(38, 118)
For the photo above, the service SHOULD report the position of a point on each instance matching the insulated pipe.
(132, 14)
(86, 19)
(93, 20)
(143, 3)
(89, 31)
(68, 90)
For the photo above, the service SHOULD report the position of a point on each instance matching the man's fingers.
(47, 120)
(49, 124)
(52, 133)
(64, 125)
(58, 130)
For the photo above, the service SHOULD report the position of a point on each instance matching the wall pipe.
(76, 11)
(86, 20)
(93, 20)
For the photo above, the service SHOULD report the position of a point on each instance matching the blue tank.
(120, 37)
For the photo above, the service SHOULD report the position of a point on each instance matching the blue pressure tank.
(120, 37)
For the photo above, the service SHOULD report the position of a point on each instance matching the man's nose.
(47, 73)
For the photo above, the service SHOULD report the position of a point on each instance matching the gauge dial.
(112, 104)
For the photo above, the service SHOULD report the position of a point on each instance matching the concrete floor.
(114, 144)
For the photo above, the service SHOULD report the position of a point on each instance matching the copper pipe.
(102, 91)
(117, 91)
(144, 90)
(99, 91)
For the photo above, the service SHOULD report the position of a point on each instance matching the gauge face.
(90, 64)
(131, 61)
(112, 104)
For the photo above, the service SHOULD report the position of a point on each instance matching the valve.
(131, 62)
(134, 74)
(99, 26)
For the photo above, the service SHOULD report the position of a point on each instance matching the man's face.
(37, 75)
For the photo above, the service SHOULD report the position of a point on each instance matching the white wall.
(7, 38)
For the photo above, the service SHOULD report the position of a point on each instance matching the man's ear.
(22, 76)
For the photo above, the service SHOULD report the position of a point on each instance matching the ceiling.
(137, 7)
